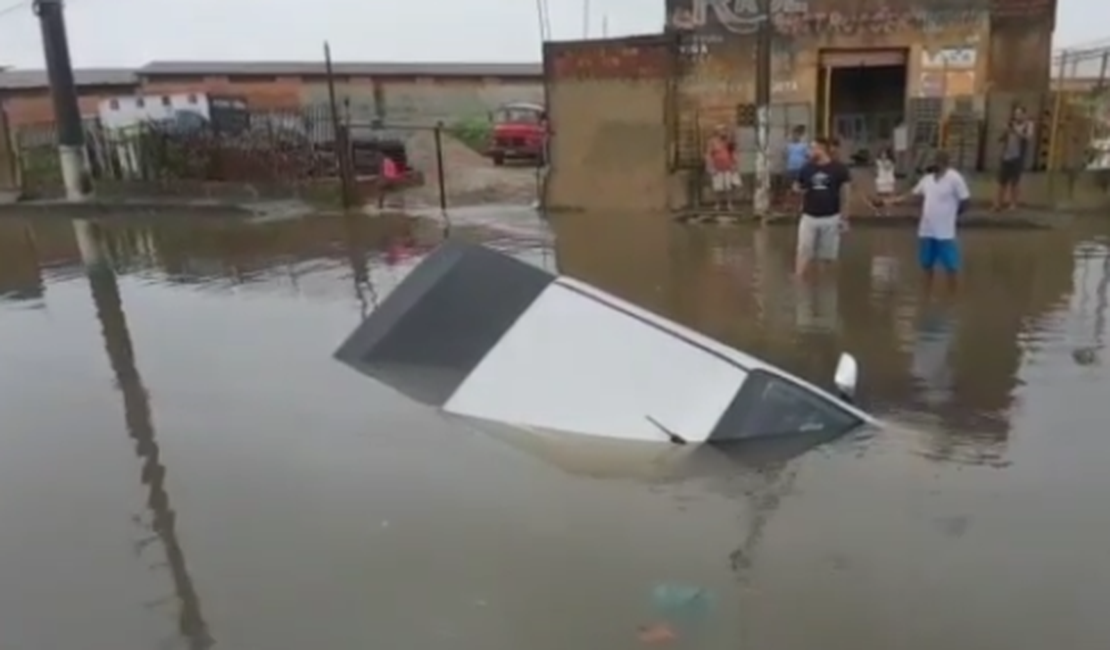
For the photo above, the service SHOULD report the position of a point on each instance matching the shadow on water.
(322, 510)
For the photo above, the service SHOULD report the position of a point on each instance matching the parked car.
(370, 145)
(519, 132)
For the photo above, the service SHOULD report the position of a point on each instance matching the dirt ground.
(470, 178)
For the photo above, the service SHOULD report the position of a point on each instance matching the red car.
(520, 133)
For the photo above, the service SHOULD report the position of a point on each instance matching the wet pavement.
(182, 464)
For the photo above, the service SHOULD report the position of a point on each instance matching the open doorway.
(862, 99)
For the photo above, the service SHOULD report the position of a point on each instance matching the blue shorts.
(932, 252)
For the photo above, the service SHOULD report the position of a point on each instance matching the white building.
(125, 112)
(121, 116)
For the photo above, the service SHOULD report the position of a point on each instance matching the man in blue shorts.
(945, 196)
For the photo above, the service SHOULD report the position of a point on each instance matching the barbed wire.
(1080, 54)
(1086, 45)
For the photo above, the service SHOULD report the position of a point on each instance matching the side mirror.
(847, 375)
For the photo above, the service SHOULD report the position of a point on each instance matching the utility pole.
(63, 90)
(762, 202)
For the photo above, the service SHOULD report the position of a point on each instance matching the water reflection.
(732, 285)
(947, 365)
(323, 511)
(817, 307)
(162, 520)
(953, 364)
(931, 345)
(1092, 281)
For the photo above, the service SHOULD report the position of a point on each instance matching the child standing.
(884, 179)
(795, 156)
(720, 162)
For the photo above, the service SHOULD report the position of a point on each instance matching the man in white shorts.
(824, 183)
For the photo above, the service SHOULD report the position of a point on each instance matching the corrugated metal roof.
(26, 79)
(297, 68)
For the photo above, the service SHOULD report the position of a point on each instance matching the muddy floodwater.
(183, 464)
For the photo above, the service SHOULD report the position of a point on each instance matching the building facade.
(417, 92)
(852, 68)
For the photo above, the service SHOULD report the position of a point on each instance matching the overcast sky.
(125, 33)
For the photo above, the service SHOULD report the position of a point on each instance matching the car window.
(518, 115)
(768, 405)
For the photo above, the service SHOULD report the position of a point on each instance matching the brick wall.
(270, 93)
(608, 114)
(448, 100)
(34, 107)
(395, 99)
(9, 177)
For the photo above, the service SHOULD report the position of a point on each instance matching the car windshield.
(518, 115)
(770, 405)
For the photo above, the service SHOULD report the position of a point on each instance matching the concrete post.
(762, 196)
(63, 91)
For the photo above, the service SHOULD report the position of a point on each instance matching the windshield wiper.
(673, 437)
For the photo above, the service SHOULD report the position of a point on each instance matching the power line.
(1086, 45)
(544, 20)
(23, 4)
(14, 8)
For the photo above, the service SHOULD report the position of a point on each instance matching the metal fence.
(286, 153)
(331, 152)
(266, 148)
(1076, 115)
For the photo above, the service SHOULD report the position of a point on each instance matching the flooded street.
(183, 464)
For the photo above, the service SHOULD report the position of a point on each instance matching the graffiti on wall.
(633, 58)
(880, 21)
(715, 19)
(731, 16)
(950, 58)
(946, 83)
(948, 71)
(1022, 9)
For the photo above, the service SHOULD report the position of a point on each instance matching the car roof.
(525, 105)
(742, 359)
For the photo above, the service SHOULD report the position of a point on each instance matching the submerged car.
(482, 335)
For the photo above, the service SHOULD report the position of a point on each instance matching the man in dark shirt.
(824, 183)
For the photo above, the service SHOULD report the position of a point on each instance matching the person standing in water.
(824, 183)
(945, 196)
(720, 162)
(795, 156)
